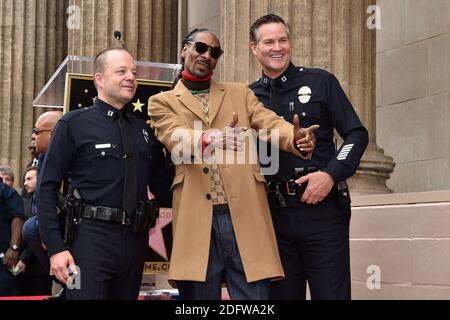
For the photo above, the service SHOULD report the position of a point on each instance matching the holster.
(145, 216)
(342, 193)
(69, 216)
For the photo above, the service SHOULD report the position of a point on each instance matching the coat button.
(208, 196)
(205, 170)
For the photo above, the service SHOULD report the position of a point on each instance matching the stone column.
(149, 28)
(326, 34)
(31, 49)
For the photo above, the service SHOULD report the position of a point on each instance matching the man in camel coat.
(222, 228)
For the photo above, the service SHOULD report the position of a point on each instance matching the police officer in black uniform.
(11, 221)
(110, 158)
(312, 224)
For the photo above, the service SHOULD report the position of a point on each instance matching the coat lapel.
(217, 92)
(189, 101)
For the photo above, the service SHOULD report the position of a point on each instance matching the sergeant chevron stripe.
(345, 151)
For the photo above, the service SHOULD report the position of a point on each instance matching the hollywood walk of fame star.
(156, 240)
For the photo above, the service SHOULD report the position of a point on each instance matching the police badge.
(304, 94)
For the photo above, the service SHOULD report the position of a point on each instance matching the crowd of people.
(265, 236)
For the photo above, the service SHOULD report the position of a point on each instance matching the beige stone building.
(391, 56)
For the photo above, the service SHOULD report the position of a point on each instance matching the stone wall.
(413, 92)
(407, 238)
(33, 41)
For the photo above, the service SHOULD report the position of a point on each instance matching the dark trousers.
(314, 247)
(9, 284)
(224, 265)
(30, 232)
(35, 285)
(110, 259)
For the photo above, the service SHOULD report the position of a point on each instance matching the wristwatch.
(14, 247)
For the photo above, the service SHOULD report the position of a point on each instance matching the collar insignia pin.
(146, 136)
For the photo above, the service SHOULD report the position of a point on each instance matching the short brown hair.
(31, 168)
(269, 18)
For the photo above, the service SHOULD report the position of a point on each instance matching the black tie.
(130, 185)
(274, 97)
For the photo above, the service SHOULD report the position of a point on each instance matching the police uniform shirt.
(317, 98)
(87, 146)
(11, 206)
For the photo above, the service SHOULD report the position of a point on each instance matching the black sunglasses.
(202, 47)
(36, 131)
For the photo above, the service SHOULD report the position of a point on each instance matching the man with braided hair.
(222, 230)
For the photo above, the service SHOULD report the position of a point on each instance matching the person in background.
(7, 174)
(40, 140)
(11, 221)
(34, 278)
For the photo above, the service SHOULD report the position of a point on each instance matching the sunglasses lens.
(216, 52)
(201, 47)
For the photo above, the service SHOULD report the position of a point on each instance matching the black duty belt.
(290, 188)
(285, 188)
(116, 215)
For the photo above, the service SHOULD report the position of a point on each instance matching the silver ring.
(311, 143)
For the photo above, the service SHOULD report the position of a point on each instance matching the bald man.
(42, 134)
(43, 128)
(110, 158)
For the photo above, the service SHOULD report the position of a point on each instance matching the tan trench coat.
(244, 184)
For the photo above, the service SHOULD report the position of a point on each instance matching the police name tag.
(103, 146)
